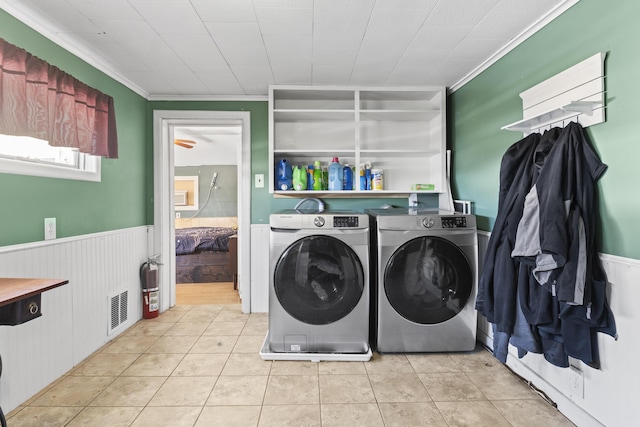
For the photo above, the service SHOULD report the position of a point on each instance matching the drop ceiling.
(217, 49)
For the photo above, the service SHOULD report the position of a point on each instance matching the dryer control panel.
(454, 222)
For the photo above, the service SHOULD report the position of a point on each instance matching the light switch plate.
(49, 228)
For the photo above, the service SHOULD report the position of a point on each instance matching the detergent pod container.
(284, 175)
(299, 178)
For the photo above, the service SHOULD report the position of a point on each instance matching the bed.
(202, 254)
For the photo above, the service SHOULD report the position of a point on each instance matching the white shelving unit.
(399, 130)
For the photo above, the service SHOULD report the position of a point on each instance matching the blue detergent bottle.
(347, 177)
(284, 175)
(310, 177)
(335, 175)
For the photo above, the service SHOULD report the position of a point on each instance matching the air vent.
(118, 309)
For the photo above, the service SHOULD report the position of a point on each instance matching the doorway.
(165, 125)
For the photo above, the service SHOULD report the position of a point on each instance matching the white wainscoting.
(76, 316)
(259, 268)
(611, 393)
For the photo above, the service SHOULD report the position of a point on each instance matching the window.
(30, 156)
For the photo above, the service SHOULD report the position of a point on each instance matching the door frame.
(163, 243)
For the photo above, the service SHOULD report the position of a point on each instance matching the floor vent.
(118, 309)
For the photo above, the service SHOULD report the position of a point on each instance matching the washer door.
(318, 280)
(428, 280)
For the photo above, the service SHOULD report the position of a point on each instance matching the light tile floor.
(199, 366)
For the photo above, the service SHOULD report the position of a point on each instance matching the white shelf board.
(398, 115)
(315, 115)
(565, 112)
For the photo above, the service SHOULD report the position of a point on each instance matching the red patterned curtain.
(42, 101)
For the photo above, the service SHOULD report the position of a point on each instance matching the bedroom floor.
(206, 293)
(198, 365)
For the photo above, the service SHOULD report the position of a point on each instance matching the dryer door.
(428, 280)
(318, 280)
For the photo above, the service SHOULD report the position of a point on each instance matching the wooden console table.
(20, 303)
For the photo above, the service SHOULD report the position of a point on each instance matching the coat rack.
(577, 94)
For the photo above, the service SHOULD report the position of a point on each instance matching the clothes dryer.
(425, 273)
(319, 283)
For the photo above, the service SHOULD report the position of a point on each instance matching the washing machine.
(319, 285)
(425, 272)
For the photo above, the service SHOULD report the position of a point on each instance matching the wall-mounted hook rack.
(576, 94)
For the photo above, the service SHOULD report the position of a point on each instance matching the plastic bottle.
(367, 175)
(335, 175)
(377, 179)
(299, 178)
(283, 175)
(363, 180)
(325, 178)
(317, 176)
(347, 177)
(310, 177)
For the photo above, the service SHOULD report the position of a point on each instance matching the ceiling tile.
(225, 10)
(138, 38)
(438, 37)
(327, 75)
(246, 56)
(172, 19)
(460, 12)
(510, 18)
(112, 9)
(253, 79)
(294, 46)
(221, 82)
(290, 70)
(282, 21)
(199, 52)
(235, 34)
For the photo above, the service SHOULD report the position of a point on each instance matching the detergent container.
(284, 175)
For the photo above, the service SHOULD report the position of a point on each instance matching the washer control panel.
(346, 221)
(454, 222)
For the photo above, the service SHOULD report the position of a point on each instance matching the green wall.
(213, 202)
(80, 207)
(491, 100)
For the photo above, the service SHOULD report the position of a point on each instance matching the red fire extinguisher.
(150, 290)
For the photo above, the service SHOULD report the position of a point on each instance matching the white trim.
(44, 243)
(163, 123)
(207, 98)
(92, 171)
(515, 42)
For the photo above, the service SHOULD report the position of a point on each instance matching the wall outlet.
(49, 228)
(259, 178)
(178, 214)
(576, 383)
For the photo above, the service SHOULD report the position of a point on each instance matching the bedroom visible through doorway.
(206, 210)
(207, 179)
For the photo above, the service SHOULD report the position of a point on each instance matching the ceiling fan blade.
(182, 144)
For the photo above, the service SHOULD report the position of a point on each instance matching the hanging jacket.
(497, 286)
(555, 238)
